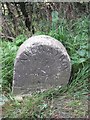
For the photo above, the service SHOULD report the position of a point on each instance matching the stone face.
(42, 62)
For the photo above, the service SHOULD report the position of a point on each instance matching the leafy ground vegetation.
(70, 101)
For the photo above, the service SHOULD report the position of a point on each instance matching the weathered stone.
(42, 62)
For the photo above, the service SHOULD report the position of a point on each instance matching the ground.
(58, 106)
(70, 107)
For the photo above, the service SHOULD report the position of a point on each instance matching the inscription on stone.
(42, 62)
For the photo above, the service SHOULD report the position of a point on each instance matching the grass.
(43, 105)
(9, 50)
(74, 36)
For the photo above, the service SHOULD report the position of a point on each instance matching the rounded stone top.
(42, 62)
(41, 40)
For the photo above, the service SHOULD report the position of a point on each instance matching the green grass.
(41, 105)
(74, 36)
(8, 53)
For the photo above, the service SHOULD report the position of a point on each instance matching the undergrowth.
(8, 53)
(74, 36)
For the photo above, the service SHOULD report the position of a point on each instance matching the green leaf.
(82, 52)
(84, 46)
(88, 54)
(55, 16)
(81, 60)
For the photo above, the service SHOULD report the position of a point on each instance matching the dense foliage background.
(30, 17)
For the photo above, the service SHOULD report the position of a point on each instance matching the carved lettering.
(42, 64)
